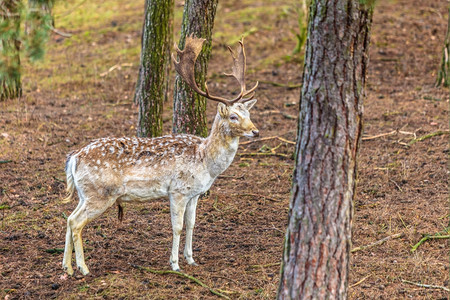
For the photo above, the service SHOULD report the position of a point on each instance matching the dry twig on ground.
(163, 272)
(428, 286)
(367, 138)
(116, 66)
(379, 242)
(266, 266)
(58, 32)
(267, 138)
(360, 281)
(288, 86)
(263, 154)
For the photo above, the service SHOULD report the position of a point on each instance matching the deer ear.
(223, 110)
(249, 104)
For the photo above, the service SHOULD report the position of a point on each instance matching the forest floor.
(84, 90)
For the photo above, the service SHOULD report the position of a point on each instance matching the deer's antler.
(185, 67)
(239, 67)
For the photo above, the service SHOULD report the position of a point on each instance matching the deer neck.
(220, 147)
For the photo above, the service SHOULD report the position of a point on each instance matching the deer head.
(233, 114)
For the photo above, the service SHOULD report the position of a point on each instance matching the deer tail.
(70, 170)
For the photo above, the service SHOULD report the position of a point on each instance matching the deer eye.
(234, 118)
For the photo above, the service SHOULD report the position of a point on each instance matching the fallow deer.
(180, 167)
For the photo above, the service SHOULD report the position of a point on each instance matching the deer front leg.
(190, 222)
(177, 209)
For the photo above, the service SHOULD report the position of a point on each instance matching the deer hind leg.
(190, 222)
(77, 220)
(177, 209)
(67, 260)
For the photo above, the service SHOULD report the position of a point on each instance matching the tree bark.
(188, 107)
(10, 80)
(152, 83)
(443, 72)
(318, 239)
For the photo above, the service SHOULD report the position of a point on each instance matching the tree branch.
(427, 136)
(428, 237)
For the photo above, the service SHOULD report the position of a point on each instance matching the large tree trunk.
(188, 107)
(152, 83)
(318, 238)
(10, 81)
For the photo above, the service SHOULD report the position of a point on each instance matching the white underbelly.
(144, 190)
(186, 183)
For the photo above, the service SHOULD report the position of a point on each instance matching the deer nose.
(255, 133)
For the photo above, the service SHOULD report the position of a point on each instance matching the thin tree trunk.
(318, 239)
(443, 73)
(152, 83)
(10, 81)
(188, 107)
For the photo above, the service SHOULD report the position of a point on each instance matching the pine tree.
(443, 73)
(10, 81)
(318, 239)
(13, 41)
(152, 83)
(188, 107)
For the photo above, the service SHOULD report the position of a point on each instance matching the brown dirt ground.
(240, 225)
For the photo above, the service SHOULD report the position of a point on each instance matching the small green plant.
(83, 288)
(4, 207)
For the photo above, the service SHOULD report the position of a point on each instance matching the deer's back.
(138, 169)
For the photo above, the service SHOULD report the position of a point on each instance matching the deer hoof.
(84, 270)
(68, 270)
(176, 268)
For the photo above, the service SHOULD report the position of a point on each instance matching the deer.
(180, 167)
